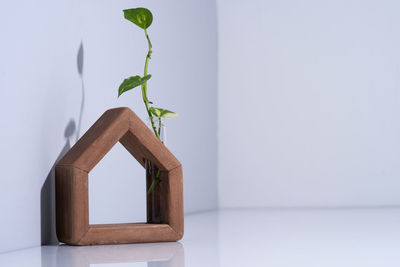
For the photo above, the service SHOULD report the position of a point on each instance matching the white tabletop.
(264, 237)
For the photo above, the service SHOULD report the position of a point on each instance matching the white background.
(309, 103)
(41, 93)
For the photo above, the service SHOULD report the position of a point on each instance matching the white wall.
(309, 103)
(41, 97)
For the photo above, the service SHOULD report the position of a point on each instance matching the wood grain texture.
(175, 201)
(98, 140)
(128, 233)
(72, 203)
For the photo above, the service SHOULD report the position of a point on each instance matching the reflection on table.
(154, 254)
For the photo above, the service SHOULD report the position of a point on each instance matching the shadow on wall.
(47, 193)
(80, 72)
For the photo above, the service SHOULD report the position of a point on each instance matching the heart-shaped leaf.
(159, 112)
(132, 82)
(142, 17)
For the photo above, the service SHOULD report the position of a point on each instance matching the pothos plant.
(143, 18)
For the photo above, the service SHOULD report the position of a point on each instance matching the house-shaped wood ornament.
(72, 197)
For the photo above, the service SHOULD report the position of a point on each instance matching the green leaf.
(142, 17)
(132, 82)
(159, 112)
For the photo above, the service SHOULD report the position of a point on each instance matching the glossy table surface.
(264, 237)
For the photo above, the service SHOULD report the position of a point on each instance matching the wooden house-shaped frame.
(72, 197)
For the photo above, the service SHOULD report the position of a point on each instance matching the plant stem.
(146, 103)
(159, 128)
(154, 182)
(144, 87)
